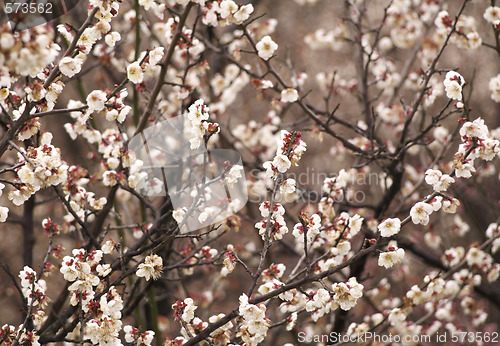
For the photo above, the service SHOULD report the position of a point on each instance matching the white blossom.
(389, 227)
(390, 258)
(347, 294)
(266, 47)
(70, 66)
(420, 213)
(282, 163)
(135, 73)
(4, 212)
(150, 268)
(96, 100)
(492, 15)
(289, 95)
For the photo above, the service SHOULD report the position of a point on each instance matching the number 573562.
(23, 7)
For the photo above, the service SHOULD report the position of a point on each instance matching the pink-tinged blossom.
(134, 336)
(184, 309)
(229, 263)
(393, 256)
(451, 206)
(453, 83)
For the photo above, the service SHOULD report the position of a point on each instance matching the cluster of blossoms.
(392, 256)
(391, 115)
(453, 84)
(134, 336)
(255, 324)
(184, 310)
(320, 303)
(322, 239)
(111, 106)
(34, 290)
(79, 199)
(465, 35)
(136, 71)
(258, 137)
(104, 328)
(223, 334)
(150, 268)
(476, 137)
(312, 228)
(334, 187)
(421, 211)
(332, 39)
(200, 126)
(494, 86)
(111, 142)
(84, 270)
(482, 262)
(435, 297)
(233, 175)
(440, 182)
(493, 233)
(343, 227)
(20, 60)
(41, 167)
(277, 223)
(406, 23)
(290, 149)
(271, 278)
(222, 13)
(346, 294)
